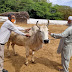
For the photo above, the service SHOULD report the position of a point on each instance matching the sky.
(62, 2)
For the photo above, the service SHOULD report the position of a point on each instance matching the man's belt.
(2, 44)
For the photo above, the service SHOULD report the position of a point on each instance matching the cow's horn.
(37, 24)
(48, 23)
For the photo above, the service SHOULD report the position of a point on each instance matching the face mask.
(13, 20)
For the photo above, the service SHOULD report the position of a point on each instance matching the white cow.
(39, 35)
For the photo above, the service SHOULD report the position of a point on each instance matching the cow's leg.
(8, 44)
(32, 60)
(27, 55)
(13, 49)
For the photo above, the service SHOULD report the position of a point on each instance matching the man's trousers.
(1, 57)
(65, 56)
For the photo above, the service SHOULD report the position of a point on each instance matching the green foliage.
(36, 9)
(66, 11)
(25, 5)
(39, 10)
(40, 0)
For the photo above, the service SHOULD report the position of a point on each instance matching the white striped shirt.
(6, 29)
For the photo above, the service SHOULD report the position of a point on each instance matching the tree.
(39, 10)
(66, 11)
(25, 5)
(40, 0)
(36, 8)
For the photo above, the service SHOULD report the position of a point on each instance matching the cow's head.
(43, 33)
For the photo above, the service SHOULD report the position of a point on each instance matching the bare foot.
(61, 70)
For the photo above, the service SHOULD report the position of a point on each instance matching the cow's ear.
(37, 25)
(48, 23)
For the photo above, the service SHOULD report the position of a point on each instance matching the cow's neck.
(37, 39)
(34, 40)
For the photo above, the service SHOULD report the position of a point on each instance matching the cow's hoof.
(26, 64)
(61, 70)
(9, 56)
(15, 54)
(33, 62)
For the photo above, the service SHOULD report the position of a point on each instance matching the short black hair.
(10, 14)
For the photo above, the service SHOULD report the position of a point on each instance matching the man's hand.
(49, 33)
(27, 35)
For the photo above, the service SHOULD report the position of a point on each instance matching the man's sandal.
(4, 70)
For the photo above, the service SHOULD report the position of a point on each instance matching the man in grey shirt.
(5, 32)
(66, 51)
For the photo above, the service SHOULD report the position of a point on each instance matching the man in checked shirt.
(5, 32)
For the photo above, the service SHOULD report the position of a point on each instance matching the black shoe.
(4, 70)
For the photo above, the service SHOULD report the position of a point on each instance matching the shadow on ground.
(17, 61)
(49, 63)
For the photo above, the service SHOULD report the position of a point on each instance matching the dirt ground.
(47, 59)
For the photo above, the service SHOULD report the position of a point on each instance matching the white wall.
(45, 21)
(3, 18)
(40, 21)
(58, 22)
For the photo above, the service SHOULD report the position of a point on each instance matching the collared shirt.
(6, 29)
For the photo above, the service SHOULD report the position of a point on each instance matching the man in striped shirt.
(5, 32)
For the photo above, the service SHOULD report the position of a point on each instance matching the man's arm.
(61, 35)
(20, 28)
(14, 28)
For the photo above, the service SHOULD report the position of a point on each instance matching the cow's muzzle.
(46, 41)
